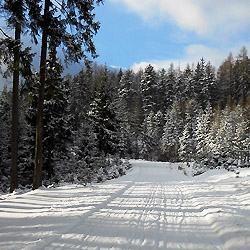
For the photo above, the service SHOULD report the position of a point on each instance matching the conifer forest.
(78, 128)
(99, 116)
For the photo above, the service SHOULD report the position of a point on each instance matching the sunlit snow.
(155, 206)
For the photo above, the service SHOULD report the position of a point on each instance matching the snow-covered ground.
(155, 206)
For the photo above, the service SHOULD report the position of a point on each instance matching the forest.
(99, 116)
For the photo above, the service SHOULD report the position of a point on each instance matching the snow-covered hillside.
(155, 206)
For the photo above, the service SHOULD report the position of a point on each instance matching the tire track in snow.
(150, 207)
(44, 244)
(145, 215)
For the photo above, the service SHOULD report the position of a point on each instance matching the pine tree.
(225, 79)
(212, 86)
(223, 133)
(241, 76)
(202, 133)
(14, 12)
(161, 92)
(170, 86)
(199, 83)
(136, 117)
(181, 86)
(124, 104)
(5, 121)
(80, 94)
(188, 141)
(57, 129)
(103, 117)
(241, 130)
(172, 131)
(148, 90)
(187, 82)
(78, 18)
(147, 141)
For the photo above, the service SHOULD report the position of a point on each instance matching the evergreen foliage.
(99, 115)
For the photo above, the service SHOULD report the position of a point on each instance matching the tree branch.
(5, 34)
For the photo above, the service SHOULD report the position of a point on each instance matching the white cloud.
(192, 54)
(117, 67)
(157, 64)
(205, 17)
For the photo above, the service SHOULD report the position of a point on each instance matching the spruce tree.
(74, 29)
(202, 133)
(103, 117)
(241, 76)
(57, 129)
(188, 141)
(148, 90)
(172, 131)
(5, 121)
(170, 86)
(125, 105)
(161, 92)
(15, 20)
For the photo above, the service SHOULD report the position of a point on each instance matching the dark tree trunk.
(50, 169)
(37, 181)
(15, 97)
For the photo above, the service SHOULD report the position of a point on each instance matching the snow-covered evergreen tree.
(80, 94)
(187, 149)
(147, 142)
(103, 117)
(241, 76)
(148, 90)
(188, 90)
(202, 133)
(222, 134)
(5, 121)
(170, 86)
(172, 130)
(161, 92)
(124, 104)
(242, 139)
(57, 120)
(212, 86)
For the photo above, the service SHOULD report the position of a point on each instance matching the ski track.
(153, 207)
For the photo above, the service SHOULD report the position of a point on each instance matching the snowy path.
(155, 206)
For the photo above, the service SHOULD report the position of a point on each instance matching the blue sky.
(134, 33)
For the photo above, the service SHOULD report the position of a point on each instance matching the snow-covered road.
(155, 206)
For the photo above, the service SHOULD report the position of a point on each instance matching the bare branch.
(5, 34)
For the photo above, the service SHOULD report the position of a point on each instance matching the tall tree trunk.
(15, 97)
(50, 169)
(37, 181)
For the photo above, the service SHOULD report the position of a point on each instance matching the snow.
(155, 206)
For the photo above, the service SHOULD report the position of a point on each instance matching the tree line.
(69, 24)
(196, 114)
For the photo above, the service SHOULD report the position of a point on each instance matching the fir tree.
(57, 129)
(161, 92)
(124, 105)
(103, 117)
(202, 133)
(5, 121)
(170, 85)
(188, 141)
(172, 130)
(79, 19)
(148, 90)
(80, 95)
(241, 76)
